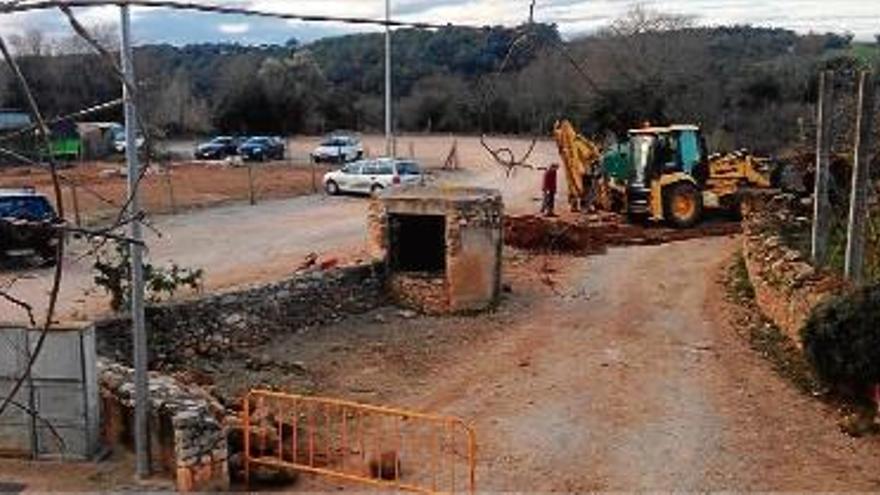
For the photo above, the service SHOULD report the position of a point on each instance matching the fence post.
(451, 162)
(75, 197)
(314, 176)
(170, 186)
(821, 205)
(252, 198)
(858, 209)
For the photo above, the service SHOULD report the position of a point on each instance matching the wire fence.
(841, 179)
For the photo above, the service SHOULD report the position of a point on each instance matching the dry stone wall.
(224, 324)
(787, 287)
(187, 434)
(427, 294)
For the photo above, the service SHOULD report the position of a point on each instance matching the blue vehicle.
(262, 148)
(218, 148)
(27, 224)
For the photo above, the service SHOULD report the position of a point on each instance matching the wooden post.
(75, 197)
(858, 209)
(170, 186)
(451, 162)
(821, 204)
(251, 196)
(314, 176)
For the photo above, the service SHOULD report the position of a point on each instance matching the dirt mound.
(592, 234)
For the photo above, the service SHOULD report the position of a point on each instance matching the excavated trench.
(594, 233)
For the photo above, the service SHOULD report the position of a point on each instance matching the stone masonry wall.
(787, 287)
(424, 293)
(188, 438)
(223, 324)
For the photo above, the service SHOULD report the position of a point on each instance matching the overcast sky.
(574, 17)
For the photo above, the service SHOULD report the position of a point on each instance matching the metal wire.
(221, 9)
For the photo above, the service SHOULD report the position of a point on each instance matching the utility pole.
(858, 209)
(389, 130)
(821, 204)
(139, 333)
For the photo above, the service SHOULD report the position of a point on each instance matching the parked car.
(119, 140)
(262, 148)
(27, 224)
(218, 148)
(372, 176)
(338, 149)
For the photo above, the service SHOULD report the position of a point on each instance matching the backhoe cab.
(669, 172)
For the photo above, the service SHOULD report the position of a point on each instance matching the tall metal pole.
(139, 334)
(389, 130)
(861, 179)
(821, 204)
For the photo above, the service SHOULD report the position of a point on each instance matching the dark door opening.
(418, 243)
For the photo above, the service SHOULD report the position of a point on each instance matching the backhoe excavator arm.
(580, 157)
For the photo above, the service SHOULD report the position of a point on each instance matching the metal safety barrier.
(379, 446)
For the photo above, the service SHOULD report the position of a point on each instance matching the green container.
(66, 148)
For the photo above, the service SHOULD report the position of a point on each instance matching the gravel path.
(625, 377)
(634, 381)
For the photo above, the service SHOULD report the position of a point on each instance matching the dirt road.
(626, 376)
(240, 244)
(637, 383)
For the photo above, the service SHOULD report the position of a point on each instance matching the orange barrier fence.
(379, 446)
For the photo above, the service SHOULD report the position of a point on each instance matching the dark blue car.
(218, 148)
(27, 224)
(262, 148)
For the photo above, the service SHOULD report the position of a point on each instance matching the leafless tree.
(641, 20)
(30, 43)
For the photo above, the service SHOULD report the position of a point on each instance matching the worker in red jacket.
(549, 190)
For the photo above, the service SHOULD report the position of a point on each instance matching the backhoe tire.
(682, 205)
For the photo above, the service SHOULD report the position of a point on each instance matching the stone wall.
(223, 324)
(787, 287)
(424, 293)
(188, 438)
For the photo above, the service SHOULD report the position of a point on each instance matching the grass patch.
(763, 336)
(739, 285)
(866, 53)
(857, 417)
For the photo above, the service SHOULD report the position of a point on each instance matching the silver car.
(338, 149)
(372, 176)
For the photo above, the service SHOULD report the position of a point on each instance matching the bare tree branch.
(76, 115)
(130, 86)
(62, 445)
(43, 131)
(505, 157)
(27, 308)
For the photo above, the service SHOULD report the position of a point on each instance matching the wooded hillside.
(747, 86)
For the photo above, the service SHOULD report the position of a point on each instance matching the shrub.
(113, 274)
(842, 340)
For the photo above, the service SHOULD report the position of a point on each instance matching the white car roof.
(26, 191)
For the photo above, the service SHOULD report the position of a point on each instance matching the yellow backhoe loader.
(663, 173)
